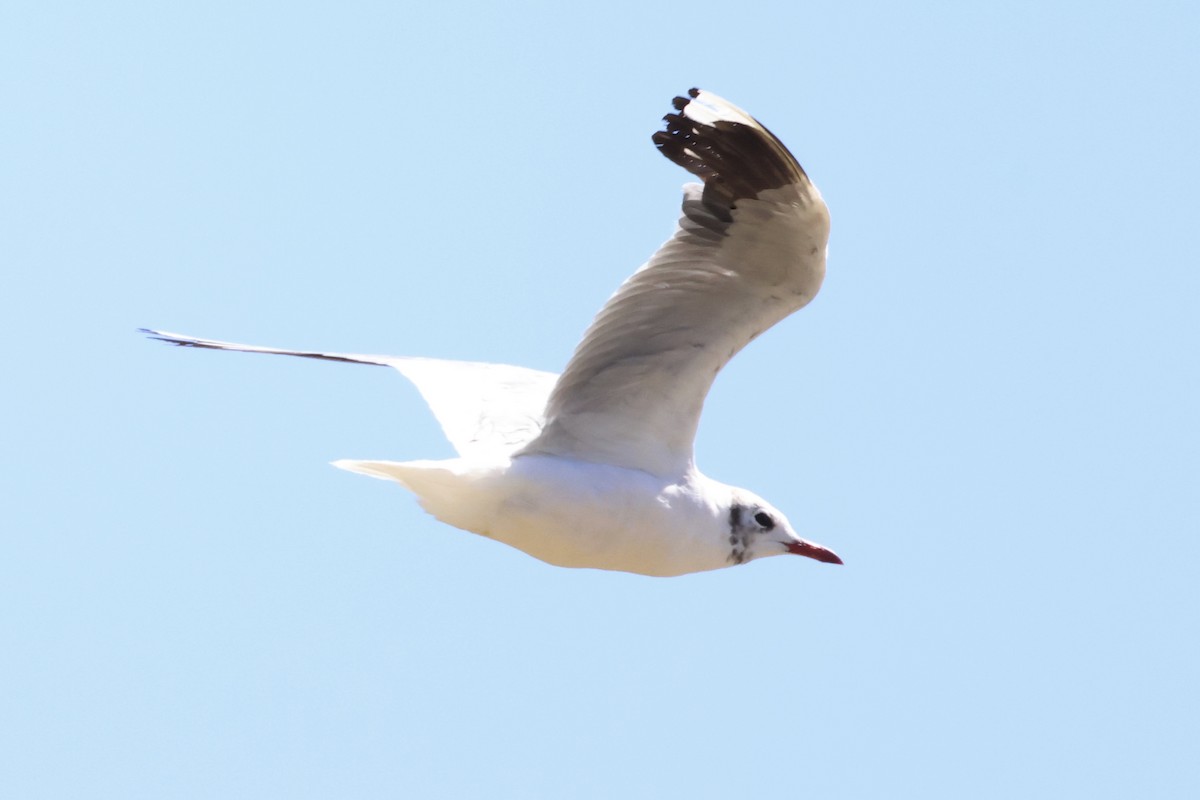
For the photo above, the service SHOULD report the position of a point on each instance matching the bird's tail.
(450, 489)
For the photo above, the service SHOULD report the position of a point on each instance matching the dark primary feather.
(735, 160)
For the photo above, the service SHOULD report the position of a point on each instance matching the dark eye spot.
(764, 520)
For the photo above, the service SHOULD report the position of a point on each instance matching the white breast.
(579, 514)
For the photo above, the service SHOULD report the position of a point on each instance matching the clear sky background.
(989, 411)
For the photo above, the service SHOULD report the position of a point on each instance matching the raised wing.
(750, 249)
(485, 410)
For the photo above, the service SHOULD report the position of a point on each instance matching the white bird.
(594, 467)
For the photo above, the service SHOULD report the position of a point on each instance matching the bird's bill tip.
(816, 551)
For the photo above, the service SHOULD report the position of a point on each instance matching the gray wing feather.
(749, 250)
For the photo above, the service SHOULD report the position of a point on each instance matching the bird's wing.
(486, 410)
(750, 249)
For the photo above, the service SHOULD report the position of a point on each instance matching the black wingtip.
(158, 336)
(167, 338)
(736, 157)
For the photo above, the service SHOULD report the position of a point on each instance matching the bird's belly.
(574, 514)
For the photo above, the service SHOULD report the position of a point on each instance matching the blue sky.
(989, 411)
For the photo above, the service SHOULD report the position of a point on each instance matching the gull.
(594, 467)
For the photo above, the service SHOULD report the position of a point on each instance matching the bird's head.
(757, 529)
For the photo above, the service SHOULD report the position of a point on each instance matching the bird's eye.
(764, 520)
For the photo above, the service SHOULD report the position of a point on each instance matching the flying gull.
(594, 467)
